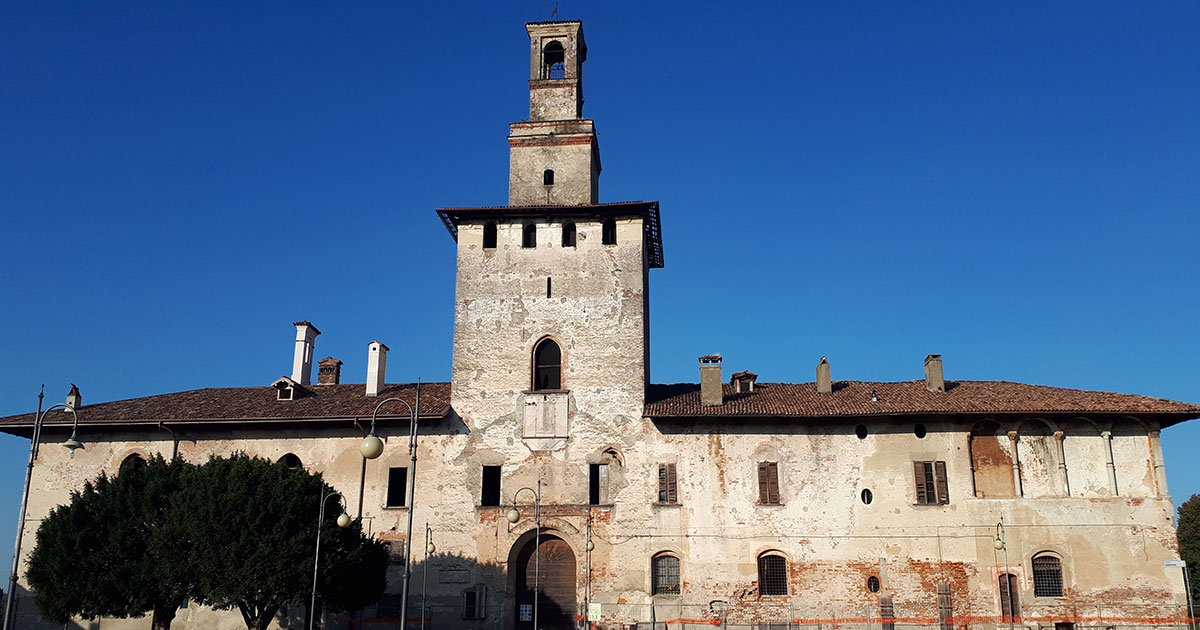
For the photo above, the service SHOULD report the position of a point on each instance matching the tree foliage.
(236, 532)
(110, 552)
(1189, 540)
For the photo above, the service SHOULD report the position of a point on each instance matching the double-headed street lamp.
(371, 448)
(1001, 543)
(343, 520)
(72, 444)
(514, 515)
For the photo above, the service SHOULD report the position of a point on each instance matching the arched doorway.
(556, 581)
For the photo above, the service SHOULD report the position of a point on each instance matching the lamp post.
(1001, 543)
(343, 520)
(72, 443)
(371, 448)
(429, 551)
(587, 586)
(513, 516)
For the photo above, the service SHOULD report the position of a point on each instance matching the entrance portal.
(556, 581)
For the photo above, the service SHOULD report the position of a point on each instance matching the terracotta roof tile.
(853, 398)
(250, 404)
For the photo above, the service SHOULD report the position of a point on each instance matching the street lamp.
(514, 515)
(1001, 543)
(72, 444)
(371, 448)
(343, 520)
(429, 551)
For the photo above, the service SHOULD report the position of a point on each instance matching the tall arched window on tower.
(608, 232)
(529, 235)
(547, 366)
(553, 58)
(548, 177)
(568, 235)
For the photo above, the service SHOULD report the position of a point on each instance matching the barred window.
(664, 570)
(772, 574)
(1047, 576)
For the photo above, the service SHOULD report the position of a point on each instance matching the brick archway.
(556, 581)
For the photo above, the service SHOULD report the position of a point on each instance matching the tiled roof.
(853, 398)
(253, 404)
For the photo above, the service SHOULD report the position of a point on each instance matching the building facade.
(929, 502)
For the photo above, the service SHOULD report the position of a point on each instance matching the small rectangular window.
(932, 487)
(768, 483)
(608, 232)
(597, 484)
(491, 487)
(397, 485)
(489, 236)
(529, 235)
(667, 492)
(475, 602)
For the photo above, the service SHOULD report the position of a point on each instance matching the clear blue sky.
(1012, 185)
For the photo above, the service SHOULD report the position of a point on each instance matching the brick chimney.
(306, 338)
(933, 373)
(824, 385)
(329, 371)
(376, 367)
(711, 392)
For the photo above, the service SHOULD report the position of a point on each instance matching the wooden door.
(556, 581)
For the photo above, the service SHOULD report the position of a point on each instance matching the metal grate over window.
(772, 575)
(1047, 576)
(665, 571)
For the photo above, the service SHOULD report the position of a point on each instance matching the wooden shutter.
(662, 483)
(943, 488)
(768, 483)
(887, 613)
(919, 479)
(945, 606)
(672, 488)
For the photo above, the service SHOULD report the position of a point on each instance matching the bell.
(343, 520)
(371, 447)
(514, 515)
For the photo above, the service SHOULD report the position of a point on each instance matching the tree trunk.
(258, 618)
(162, 618)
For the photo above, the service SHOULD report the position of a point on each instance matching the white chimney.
(306, 336)
(824, 385)
(934, 381)
(376, 366)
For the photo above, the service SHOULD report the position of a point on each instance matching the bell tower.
(554, 158)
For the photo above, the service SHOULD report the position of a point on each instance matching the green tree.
(253, 530)
(112, 552)
(1189, 540)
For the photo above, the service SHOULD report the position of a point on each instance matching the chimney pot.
(933, 373)
(824, 384)
(73, 398)
(712, 393)
(302, 361)
(376, 367)
(329, 371)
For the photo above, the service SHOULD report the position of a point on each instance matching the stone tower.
(551, 298)
(554, 157)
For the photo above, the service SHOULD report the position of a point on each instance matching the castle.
(931, 502)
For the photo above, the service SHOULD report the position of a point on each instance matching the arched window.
(553, 58)
(1047, 576)
(133, 460)
(1008, 595)
(291, 461)
(608, 232)
(489, 236)
(529, 235)
(772, 574)
(547, 366)
(548, 177)
(568, 239)
(664, 571)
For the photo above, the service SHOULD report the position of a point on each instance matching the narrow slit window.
(489, 236)
(529, 235)
(491, 487)
(397, 485)
(548, 177)
(568, 234)
(548, 294)
(608, 232)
